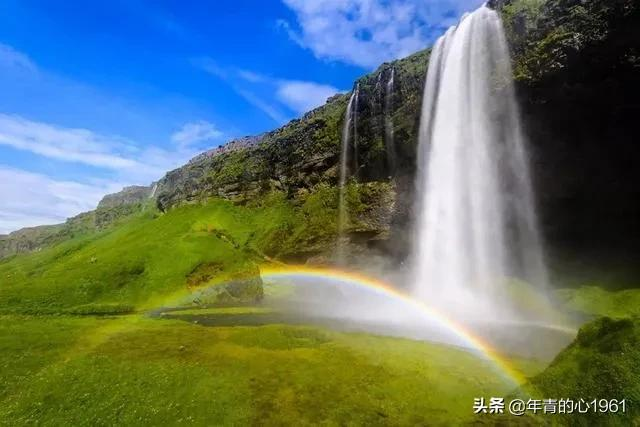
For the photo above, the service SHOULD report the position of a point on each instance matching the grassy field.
(61, 370)
(76, 347)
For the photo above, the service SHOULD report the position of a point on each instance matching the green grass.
(88, 371)
(602, 363)
(147, 257)
(595, 301)
(142, 261)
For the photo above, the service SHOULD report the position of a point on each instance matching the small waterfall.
(349, 122)
(356, 165)
(476, 225)
(153, 191)
(388, 125)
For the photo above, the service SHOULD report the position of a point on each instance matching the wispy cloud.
(369, 32)
(234, 78)
(71, 145)
(252, 76)
(9, 57)
(270, 110)
(127, 161)
(296, 96)
(30, 199)
(303, 96)
(196, 132)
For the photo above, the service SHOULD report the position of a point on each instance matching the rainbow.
(386, 290)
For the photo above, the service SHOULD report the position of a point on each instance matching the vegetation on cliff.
(304, 153)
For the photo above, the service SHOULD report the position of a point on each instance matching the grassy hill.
(148, 256)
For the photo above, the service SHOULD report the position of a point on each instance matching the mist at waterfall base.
(477, 256)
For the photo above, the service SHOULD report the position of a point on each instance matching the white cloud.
(295, 95)
(211, 67)
(196, 132)
(73, 145)
(124, 159)
(303, 96)
(30, 199)
(369, 32)
(267, 108)
(251, 76)
(9, 57)
(237, 79)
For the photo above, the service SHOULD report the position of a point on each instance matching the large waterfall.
(476, 223)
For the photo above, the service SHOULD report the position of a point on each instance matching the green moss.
(234, 167)
(602, 363)
(520, 18)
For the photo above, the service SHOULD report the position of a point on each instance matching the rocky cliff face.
(305, 152)
(577, 64)
(128, 196)
(35, 238)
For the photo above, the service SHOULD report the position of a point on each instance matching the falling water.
(388, 124)
(153, 191)
(349, 121)
(356, 166)
(476, 224)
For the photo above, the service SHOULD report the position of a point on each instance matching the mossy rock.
(243, 286)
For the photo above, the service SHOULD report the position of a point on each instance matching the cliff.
(577, 66)
(305, 152)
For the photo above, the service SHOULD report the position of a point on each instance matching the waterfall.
(349, 121)
(356, 166)
(388, 125)
(476, 227)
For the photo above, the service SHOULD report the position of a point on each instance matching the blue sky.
(98, 95)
